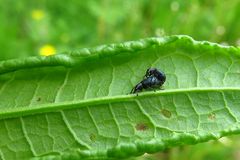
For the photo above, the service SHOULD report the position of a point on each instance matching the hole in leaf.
(212, 116)
(141, 127)
(166, 113)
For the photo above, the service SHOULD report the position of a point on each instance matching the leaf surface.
(78, 104)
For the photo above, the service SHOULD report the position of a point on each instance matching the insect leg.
(132, 91)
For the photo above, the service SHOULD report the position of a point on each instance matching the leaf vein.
(115, 120)
(27, 138)
(57, 97)
(228, 109)
(72, 132)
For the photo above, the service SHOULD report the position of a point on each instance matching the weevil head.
(150, 72)
(160, 75)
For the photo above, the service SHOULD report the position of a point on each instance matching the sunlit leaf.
(78, 104)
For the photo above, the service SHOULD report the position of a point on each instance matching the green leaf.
(76, 105)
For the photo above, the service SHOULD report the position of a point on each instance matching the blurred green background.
(44, 27)
(27, 28)
(226, 148)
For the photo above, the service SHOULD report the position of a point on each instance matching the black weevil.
(153, 79)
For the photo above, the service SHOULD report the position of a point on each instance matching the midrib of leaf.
(25, 111)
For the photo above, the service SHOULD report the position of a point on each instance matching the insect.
(152, 79)
(155, 72)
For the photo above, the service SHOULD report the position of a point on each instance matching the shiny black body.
(156, 73)
(153, 79)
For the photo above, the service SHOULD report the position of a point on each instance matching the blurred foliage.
(226, 148)
(28, 27)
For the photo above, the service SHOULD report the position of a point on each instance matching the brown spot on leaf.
(39, 99)
(166, 113)
(212, 116)
(92, 137)
(141, 127)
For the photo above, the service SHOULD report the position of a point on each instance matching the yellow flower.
(37, 14)
(47, 50)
